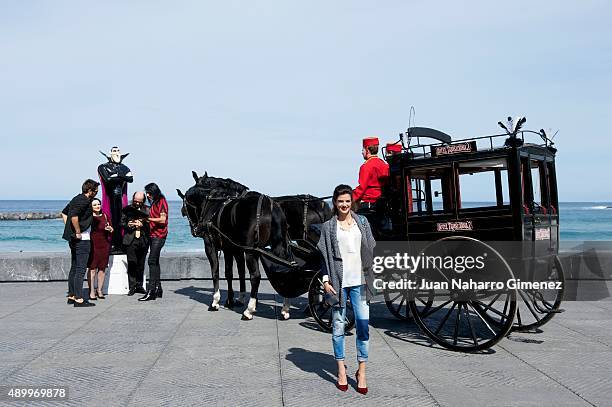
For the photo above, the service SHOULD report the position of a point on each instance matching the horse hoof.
(211, 308)
(245, 318)
(285, 315)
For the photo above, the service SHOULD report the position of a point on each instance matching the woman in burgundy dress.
(101, 231)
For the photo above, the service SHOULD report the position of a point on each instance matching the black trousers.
(79, 255)
(136, 256)
(154, 269)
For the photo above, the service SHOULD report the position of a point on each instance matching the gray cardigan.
(332, 264)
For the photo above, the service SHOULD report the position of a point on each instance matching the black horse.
(302, 211)
(241, 223)
(213, 241)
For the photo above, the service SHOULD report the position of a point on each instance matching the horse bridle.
(202, 223)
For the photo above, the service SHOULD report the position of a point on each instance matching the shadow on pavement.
(322, 364)
(404, 330)
(204, 295)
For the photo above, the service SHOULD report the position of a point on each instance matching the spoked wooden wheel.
(464, 319)
(537, 307)
(397, 301)
(321, 311)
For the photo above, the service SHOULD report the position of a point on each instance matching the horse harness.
(206, 220)
(306, 201)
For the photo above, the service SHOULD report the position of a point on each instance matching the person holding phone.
(136, 241)
(101, 231)
(347, 247)
(77, 232)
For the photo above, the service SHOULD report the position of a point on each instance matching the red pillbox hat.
(370, 141)
(394, 148)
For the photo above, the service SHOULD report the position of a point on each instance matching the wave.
(596, 207)
(31, 239)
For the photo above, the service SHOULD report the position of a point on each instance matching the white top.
(349, 242)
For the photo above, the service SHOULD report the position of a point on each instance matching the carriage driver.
(372, 175)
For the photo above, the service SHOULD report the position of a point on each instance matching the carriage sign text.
(454, 226)
(467, 147)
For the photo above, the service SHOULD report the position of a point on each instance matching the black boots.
(155, 291)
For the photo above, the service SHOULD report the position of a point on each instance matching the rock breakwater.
(29, 215)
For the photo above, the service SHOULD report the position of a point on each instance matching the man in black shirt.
(76, 232)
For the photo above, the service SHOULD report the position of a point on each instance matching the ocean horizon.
(579, 221)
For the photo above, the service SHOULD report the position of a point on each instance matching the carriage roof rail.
(426, 132)
(421, 150)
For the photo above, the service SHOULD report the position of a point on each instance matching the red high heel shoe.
(360, 390)
(342, 387)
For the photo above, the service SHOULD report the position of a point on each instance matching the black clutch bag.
(331, 299)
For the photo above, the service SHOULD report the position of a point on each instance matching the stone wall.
(56, 266)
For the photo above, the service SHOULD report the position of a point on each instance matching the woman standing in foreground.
(158, 223)
(347, 247)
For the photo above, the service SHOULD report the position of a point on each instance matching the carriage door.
(536, 201)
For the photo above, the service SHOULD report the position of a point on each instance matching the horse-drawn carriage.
(427, 208)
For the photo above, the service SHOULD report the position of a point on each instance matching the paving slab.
(175, 352)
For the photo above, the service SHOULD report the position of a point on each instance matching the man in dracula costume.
(114, 177)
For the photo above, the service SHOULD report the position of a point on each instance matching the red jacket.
(372, 175)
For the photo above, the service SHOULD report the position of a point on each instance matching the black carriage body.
(426, 197)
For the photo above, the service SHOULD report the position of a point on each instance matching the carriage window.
(535, 183)
(539, 186)
(430, 190)
(483, 183)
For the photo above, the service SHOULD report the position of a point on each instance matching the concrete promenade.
(174, 352)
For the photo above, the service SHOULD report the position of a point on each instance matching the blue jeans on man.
(361, 309)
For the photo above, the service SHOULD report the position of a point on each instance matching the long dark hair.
(340, 190)
(155, 192)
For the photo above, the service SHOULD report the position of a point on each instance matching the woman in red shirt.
(158, 223)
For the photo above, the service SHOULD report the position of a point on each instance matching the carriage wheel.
(321, 312)
(461, 319)
(537, 307)
(398, 302)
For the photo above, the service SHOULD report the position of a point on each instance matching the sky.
(278, 94)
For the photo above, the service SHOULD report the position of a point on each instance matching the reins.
(207, 224)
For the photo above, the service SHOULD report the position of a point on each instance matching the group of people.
(89, 230)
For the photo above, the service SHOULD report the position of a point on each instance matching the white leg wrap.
(248, 312)
(252, 305)
(285, 309)
(216, 299)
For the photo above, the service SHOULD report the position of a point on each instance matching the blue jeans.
(361, 309)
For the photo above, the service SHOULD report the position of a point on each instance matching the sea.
(579, 221)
